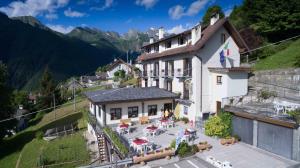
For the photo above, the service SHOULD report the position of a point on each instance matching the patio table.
(123, 128)
(139, 141)
(124, 125)
(152, 128)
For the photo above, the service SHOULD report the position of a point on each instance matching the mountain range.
(28, 47)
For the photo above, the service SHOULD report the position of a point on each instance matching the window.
(168, 44)
(169, 86)
(181, 40)
(148, 49)
(145, 70)
(156, 47)
(99, 111)
(157, 82)
(187, 67)
(219, 80)
(146, 82)
(223, 38)
(152, 110)
(156, 69)
(115, 113)
(133, 112)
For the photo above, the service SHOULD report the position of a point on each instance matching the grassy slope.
(30, 147)
(65, 149)
(286, 58)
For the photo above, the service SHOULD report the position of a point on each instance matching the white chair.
(278, 108)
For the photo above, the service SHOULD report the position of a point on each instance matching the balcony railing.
(184, 74)
(145, 74)
(154, 74)
(168, 73)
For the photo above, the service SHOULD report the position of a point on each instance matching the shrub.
(219, 126)
(195, 149)
(116, 140)
(173, 144)
(264, 94)
(136, 69)
(185, 120)
(184, 149)
(236, 137)
(295, 115)
(39, 134)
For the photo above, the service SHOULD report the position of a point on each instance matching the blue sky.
(115, 15)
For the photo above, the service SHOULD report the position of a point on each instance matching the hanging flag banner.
(226, 50)
(222, 58)
(224, 53)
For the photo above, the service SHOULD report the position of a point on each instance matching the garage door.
(275, 139)
(243, 128)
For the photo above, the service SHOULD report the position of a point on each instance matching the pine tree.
(47, 87)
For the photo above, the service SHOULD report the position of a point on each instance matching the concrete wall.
(285, 82)
(283, 77)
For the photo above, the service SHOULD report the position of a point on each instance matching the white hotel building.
(190, 64)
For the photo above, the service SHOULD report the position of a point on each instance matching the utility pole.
(127, 57)
(74, 99)
(54, 106)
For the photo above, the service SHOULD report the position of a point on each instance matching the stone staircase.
(102, 148)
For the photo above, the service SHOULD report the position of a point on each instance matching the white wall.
(237, 84)
(121, 66)
(208, 57)
(233, 84)
(124, 107)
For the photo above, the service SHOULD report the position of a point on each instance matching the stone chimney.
(214, 18)
(151, 40)
(161, 33)
(196, 33)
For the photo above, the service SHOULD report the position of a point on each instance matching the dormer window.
(181, 40)
(156, 47)
(148, 49)
(168, 44)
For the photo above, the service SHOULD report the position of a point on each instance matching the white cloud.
(178, 11)
(107, 4)
(228, 12)
(33, 7)
(51, 16)
(176, 29)
(60, 28)
(146, 3)
(70, 13)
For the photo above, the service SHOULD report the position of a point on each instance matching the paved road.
(192, 162)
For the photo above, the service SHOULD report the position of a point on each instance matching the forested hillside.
(27, 50)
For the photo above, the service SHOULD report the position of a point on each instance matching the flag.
(222, 58)
(227, 52)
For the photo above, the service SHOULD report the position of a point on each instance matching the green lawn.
(286, 58)
(66, 149)
(25, 142)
